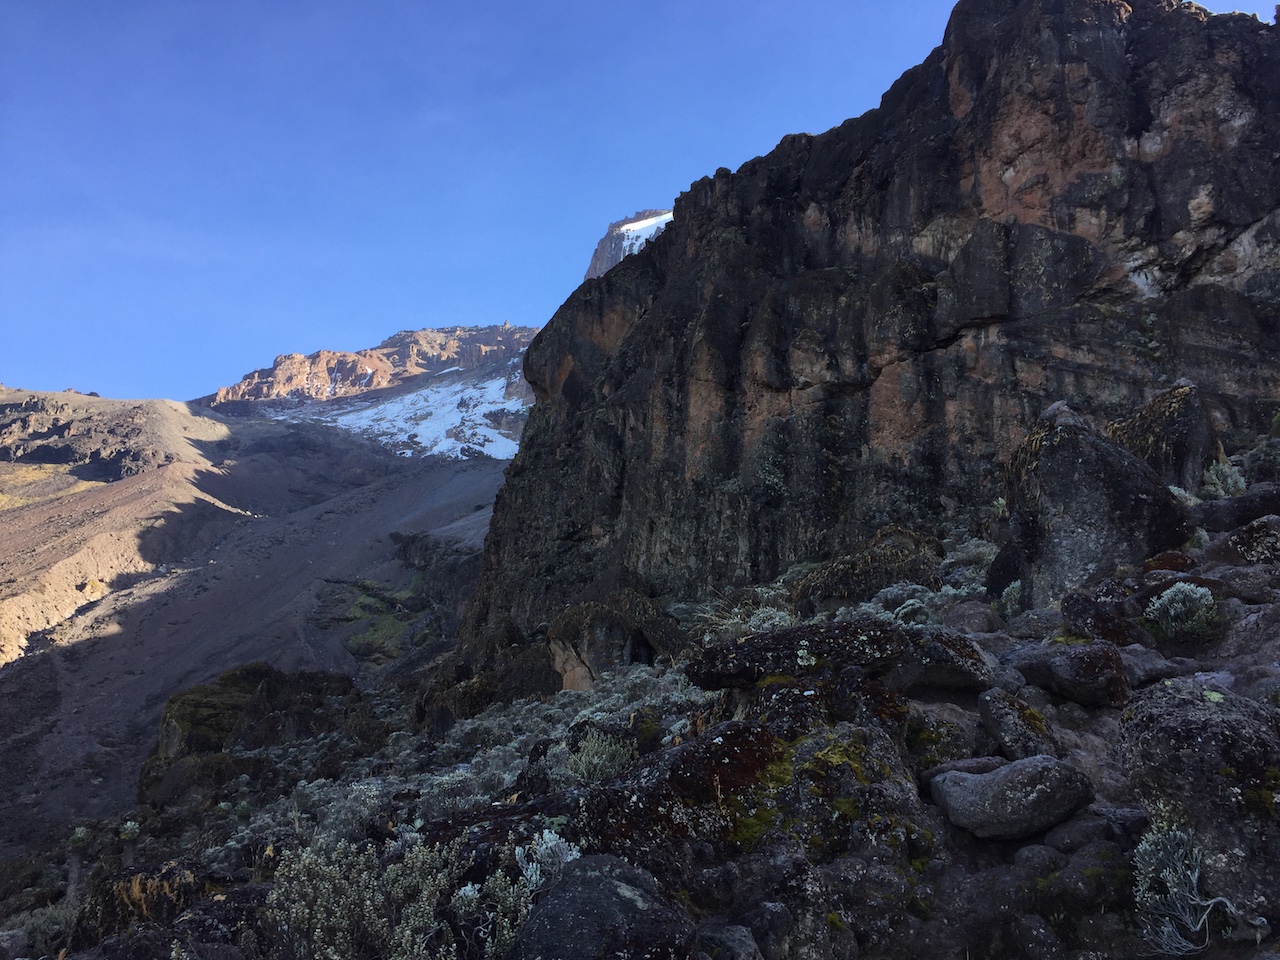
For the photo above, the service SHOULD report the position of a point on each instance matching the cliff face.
(625, 237)
(1069, 199)
(334, 373)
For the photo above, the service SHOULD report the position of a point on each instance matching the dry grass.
(22, 484)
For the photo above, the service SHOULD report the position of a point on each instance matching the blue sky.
(190, 187)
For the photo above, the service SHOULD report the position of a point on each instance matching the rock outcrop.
(1072, 200)
(625, 237)
(336, 373)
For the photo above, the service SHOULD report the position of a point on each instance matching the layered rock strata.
(1075, 200)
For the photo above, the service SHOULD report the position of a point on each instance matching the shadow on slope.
(275, 522)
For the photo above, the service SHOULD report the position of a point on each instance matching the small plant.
(769, 618)
(913, 611)
(1222, 479)
(600, 757)
(1183, 612)
(1166, 887)
(543, 860)
(1011, 600)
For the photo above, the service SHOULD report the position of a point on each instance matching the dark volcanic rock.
(1172, 434)
(859, 327)
(1092, 673)
(1215, 757)
(1014, 801)
(870, 644)
(603, 906)
(1020, 729)
(1079, 504)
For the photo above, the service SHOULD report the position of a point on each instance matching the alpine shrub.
(1183, 612)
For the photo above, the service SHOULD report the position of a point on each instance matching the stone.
(1143, 665)
(1078, 832)
(1172, 434)
(943, 660)
(965, 765)
(727, 941)
(13, 944)
(603, 906)
(1215, 757)
(1083, 616)
(868, 643)
(1092, 674)
(1019, 800)
(893, 555)
(1259, 500)
(1021, 730)
(1080, 504)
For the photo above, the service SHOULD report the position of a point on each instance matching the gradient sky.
(190, 187)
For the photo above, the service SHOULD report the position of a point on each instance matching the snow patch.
(459, 419)
(636, 234)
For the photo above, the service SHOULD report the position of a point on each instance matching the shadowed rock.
(1017, 800)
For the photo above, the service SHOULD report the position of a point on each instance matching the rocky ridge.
(625, 237)
(327, 374)
(1065, 202)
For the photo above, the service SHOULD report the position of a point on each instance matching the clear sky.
(190, 187)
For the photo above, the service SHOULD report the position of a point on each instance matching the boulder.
(1079, 505)
(1092, 674)
(1021, 730)
(1172, 434)
(944, 660)
(1215, 758)
(871, 644)
(894, 555)
(1018, 800)
(727, 941)
(602, 906)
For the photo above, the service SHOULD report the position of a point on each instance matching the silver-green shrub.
(1166, 888)
(1183, 612)
(543, 860)
(337, 901)
(1222, 479)
(600, 757)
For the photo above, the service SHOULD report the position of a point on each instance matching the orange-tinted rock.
(1074, 200)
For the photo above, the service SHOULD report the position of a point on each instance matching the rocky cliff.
(1072, 200)
(625, 237)
(335, 373)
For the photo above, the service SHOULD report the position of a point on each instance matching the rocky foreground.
(883, 755)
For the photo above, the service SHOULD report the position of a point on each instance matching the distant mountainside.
(327, 374)
(625, 237)
(150, 545)
(456, 414)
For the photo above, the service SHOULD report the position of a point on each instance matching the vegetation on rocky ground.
(813, 779)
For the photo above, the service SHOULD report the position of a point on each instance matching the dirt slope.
(124, 591)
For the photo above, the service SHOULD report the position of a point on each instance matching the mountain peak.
(625, 237)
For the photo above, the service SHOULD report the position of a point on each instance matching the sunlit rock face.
(625, 237)
(409, 354)
(1073, 200)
